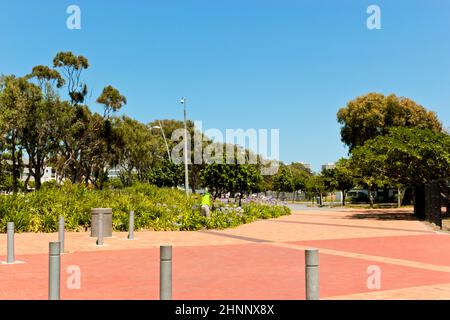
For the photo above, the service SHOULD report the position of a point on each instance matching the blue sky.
(287, 65)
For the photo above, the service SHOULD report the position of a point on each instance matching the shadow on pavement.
(383, 215)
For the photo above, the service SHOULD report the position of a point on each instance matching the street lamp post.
(165, 140)
(186, 172)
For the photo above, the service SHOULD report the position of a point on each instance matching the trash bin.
(107, 221)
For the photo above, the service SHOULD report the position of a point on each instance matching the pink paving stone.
(430, 248)
(228, 265)
(252, 271)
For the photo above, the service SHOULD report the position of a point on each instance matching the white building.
(49, 173)
(328, 166)
(307, 165)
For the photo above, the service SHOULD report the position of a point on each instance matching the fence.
(432, 201)
(286, 196)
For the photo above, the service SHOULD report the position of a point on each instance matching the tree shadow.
(383, 215)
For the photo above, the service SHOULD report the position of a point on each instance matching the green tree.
(17, 96)
(300, 175)
(112, 100)
(340, 178)
(43, 124)
(283, 181)
(371, 115)
(315, 186)
(368, 170)
(41, 134)
(167, 174)
(234, 178)
(135, 149)
(71, 67)
(407, 156)
(46, 77)
(215, 177)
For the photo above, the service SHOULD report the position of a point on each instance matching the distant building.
(49, 173)
(116, 171)
(307, 165)
(328, 166)
(113, 173)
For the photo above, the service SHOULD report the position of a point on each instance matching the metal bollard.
(165, 273)
(100, 229)
(312, 274)
(131, 226)
(10, 246)
(54, 271)
(61, 232)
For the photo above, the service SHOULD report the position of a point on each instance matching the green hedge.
(155, 209)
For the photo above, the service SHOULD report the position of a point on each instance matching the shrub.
(155, 209)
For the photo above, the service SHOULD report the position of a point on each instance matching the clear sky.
(287, 65)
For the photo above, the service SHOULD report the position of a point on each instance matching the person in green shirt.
(206, 204)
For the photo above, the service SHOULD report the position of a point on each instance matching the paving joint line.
(348, 254)
(362, 256)
(356, 226)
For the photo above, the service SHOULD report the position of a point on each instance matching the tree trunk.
(37, 180)
(38, 172)
(371, 198)
(27, 180)
(343, 198)
(386, 195)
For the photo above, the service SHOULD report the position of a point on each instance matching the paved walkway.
(261, 260)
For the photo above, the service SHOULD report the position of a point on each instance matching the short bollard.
(54, 271)
(61, 233)
(100, 229)
(10, 246)
(131, 226)
(165, 273)
(312, 274)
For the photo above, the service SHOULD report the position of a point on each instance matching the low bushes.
(155, 209)
(232, 216)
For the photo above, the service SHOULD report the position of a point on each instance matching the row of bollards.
(54, 272)
(10, 247)
(165, 289)
(165, 272)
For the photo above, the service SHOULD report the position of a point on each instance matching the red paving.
(253, 271)
(246, 269)
(433, 248)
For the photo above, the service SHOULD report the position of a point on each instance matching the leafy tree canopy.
(371, 115)
(406, 156)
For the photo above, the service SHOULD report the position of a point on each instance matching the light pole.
(186, 172)
(165, 140)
